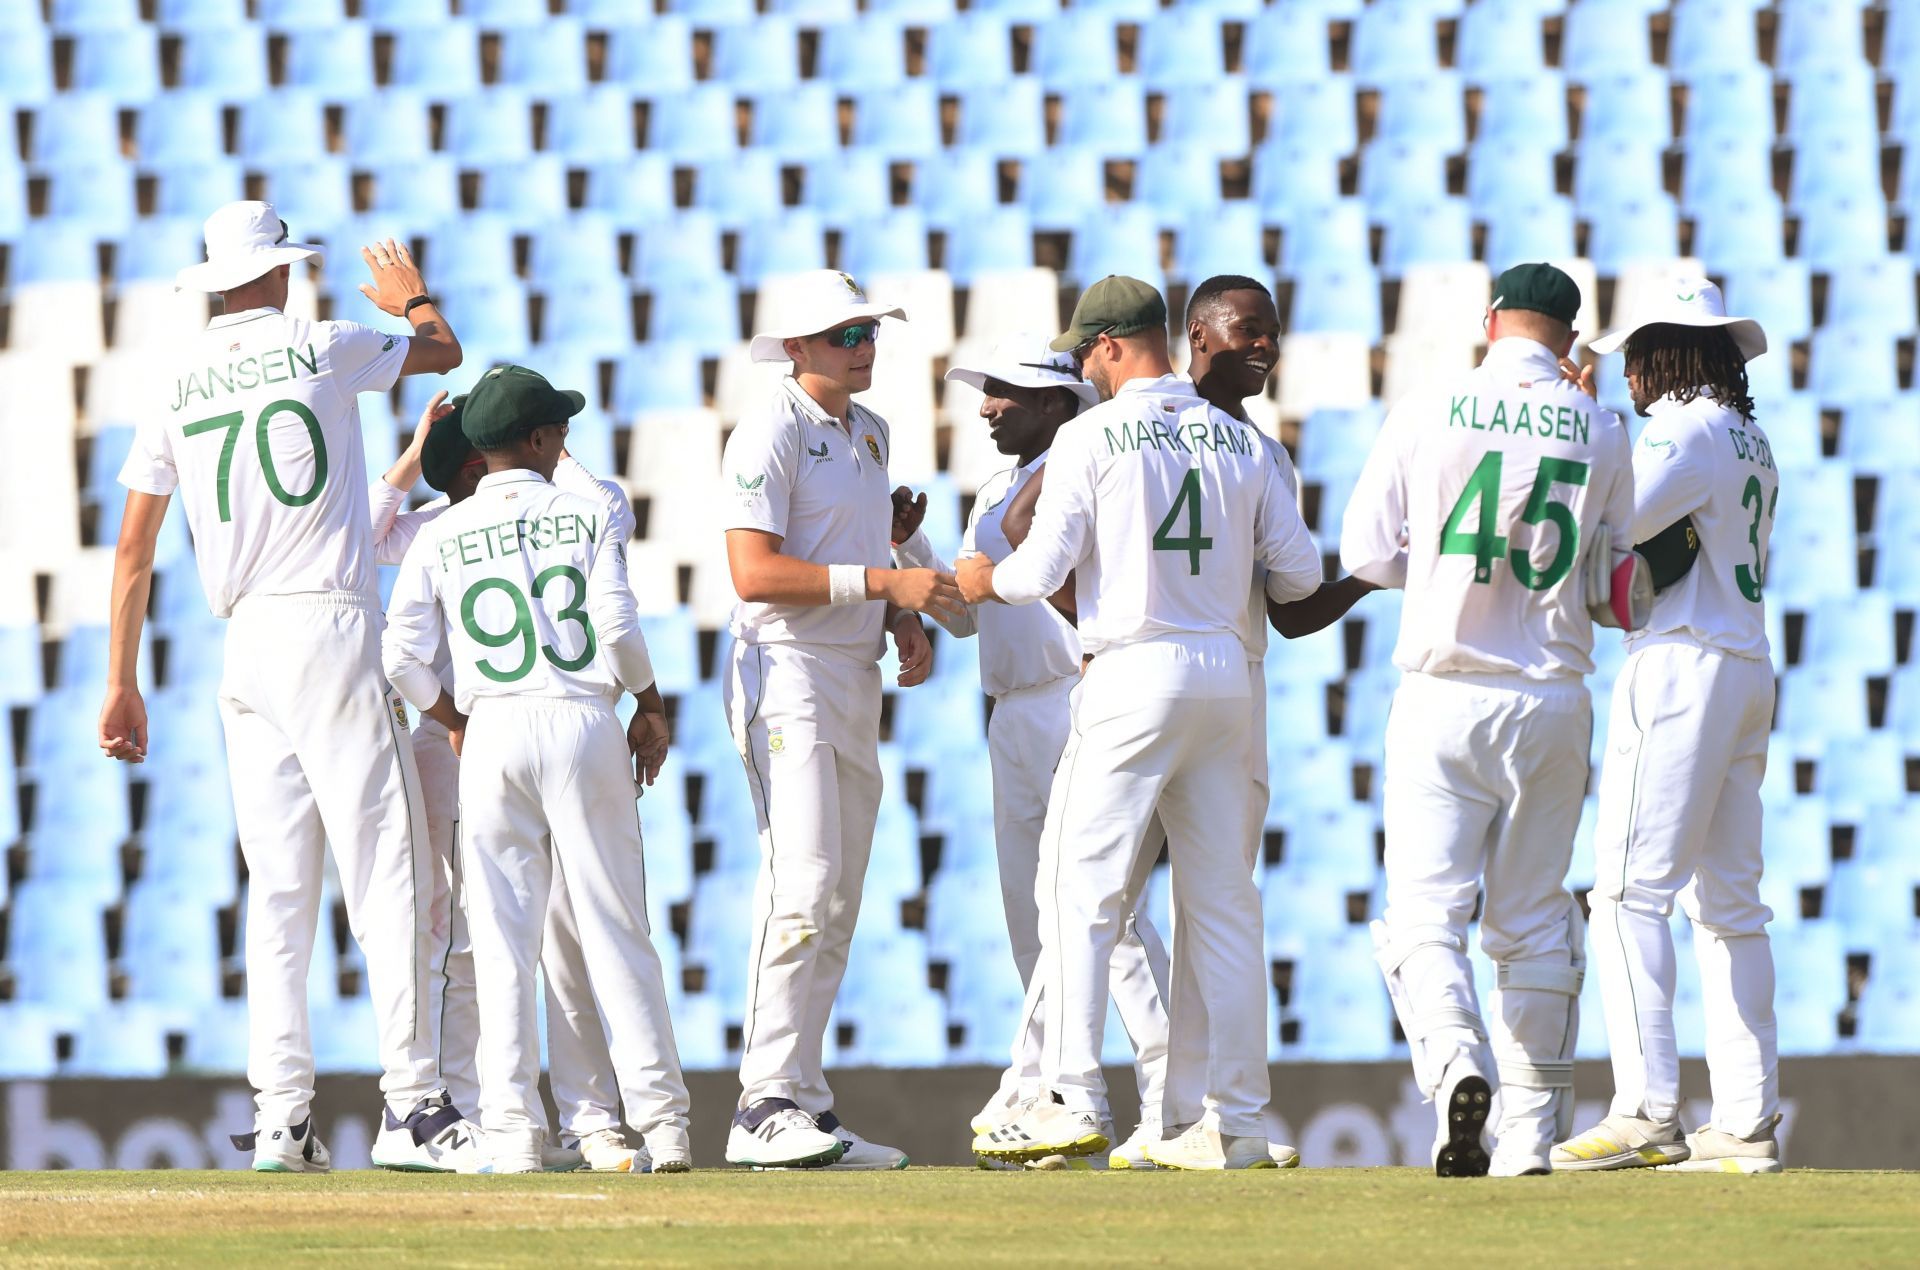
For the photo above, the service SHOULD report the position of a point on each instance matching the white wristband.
(846, 584)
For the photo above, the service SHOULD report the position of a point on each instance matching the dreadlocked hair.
(1685, 361)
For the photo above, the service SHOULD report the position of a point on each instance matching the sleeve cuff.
(418, 684)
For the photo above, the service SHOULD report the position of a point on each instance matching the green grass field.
(936, 1217)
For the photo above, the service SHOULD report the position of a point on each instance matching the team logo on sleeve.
(873, 448)
(776, 741)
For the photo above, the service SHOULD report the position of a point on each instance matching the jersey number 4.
(234, 422)
(1194, 543)
(521, 632)
(1486, 545)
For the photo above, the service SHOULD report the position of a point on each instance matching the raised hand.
(908, 512)
(396, 279)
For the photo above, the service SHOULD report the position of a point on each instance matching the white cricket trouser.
(1680, 817)
(806, 720)
(1025, 737)
(1161, 725)
(546, 786)
(579, 1063)
(1485, 776)
(317, 755)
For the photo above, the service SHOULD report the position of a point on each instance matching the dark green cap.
(1538, 288)
(1116, 305)
(511, 401)
(447, 448)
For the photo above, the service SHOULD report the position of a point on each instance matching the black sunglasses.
(854, 336)
(1084, 347)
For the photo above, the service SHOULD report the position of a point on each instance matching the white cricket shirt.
(1702, 460)
(1480, 499)
(1257, 627)
(1021, 645)
(821, 485)
(258, 430)
(1160, 505)
(528, 586)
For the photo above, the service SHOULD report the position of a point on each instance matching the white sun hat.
(815, 301)
(1687, 300)
(1024, 361)
(244, 240)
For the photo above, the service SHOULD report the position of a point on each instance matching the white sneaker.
(668, 1151)
(1463, 1104)
(775, 1134)
(859, 1153)
(433, 1138)
(1622, 1142)
(1043, 1128)
(1284, 1156)
(1711, 1151)
(1204, 1147)
(286, 1149)
(606, 1151)
(993, 1115)
(1132, 1154)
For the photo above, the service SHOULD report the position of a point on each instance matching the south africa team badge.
(776, 741)
(873, 448)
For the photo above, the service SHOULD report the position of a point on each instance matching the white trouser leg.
(587, 784)
(807, 727)
(339, 736)
(282, 841)
(579, 1064)
(452, 1012)
(1683, 720)
(507, 871)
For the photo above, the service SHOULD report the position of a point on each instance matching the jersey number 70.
(234, 422)
(1487, 545)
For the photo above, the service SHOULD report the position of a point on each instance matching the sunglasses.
(853, 336)
(1081, 350)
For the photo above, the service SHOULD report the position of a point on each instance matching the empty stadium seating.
(612, 198)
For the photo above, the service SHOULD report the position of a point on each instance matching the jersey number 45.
(1487, 545)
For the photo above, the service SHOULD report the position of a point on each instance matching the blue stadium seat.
(171, 946)
(994, 239)
(300, 15)
(763, 54)
(1501, 171)
(317, 192)
(1634, 233)
(1336, 298)
(1741, 233)
(401, 14)
(1778, 296)
(970, 51)
(1318, 115)
(1436, 232)
(1710, 34)
(715, 12)
(98, 196)
(922, 12)
(231, 64)
(1541, 230)
(694, 124)
(1853, 635)
(1393, 42)
(1180, 48)
(1396, 173)
(217, 1041)
(1835, 165)
(123, 1040)
(1289, 180)
(1817, 34)
(902, 122)
(1612, 174)
(594, 126)
(495, 126)
(1075, 49)
(1852, 364)
(1529, 110)
(123, 64)
(894, 242)
(1064, 187)
(864, 54)
(1627, 104)
(511, 14)
(54, 251)
(1603, 36)
(285, 127)
(1329, 235)
(26, 68)
(1344, 1012)
(421, 191)
(684, 248)
(1180, 181)
(1208, 117)
(1499, 38)
(29, 1041)
(94, 15)
(1830, 100)
(741, 189)
(1727, 102)
(798, 123)
(1004, 119)
(1889, 1017)
(636, 192)
(443, 61)
(792, 241)
(189, 833)
(848, 186)
(1876, 293)
(390, 127)
(179, 127)
(1425, 110)
(700, 312)
(208, 15)
(655, 58)
(578, 248)
(57, 943)
(1880, 438)
(1107, 119)
(528, 191)
(1872, 901)
(1121, 238)
(1723, 168)
(489, 314)
(595, 316)
(1285, 45)
(83, 129)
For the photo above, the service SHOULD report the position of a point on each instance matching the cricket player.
(809, 521)
(581, 1068)
(1686, 751)
(1482, 498)
(528, 584)
(1029, 665)
(1159, 507)
(257, 426)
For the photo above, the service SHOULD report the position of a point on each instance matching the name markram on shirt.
(1188, 438)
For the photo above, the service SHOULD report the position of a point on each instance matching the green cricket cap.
(1115, 305)
(1538, 288)
(447, 449)
(511, 401)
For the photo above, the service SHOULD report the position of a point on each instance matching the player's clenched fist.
(123, 725)
(908, 512)
(974, 576)
(925, 591)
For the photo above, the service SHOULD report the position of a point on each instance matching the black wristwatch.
(415, 303)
